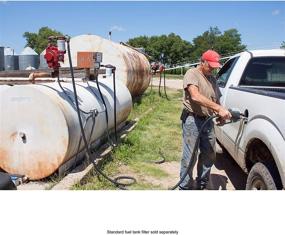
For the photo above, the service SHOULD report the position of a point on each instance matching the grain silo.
(11, 60)
(1, 58)
(28, 59)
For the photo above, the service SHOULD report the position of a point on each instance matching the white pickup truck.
(253, 82)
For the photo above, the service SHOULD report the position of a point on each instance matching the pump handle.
(236, 114)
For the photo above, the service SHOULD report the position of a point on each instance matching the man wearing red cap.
(201, 100)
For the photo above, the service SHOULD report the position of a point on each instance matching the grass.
(158, 133)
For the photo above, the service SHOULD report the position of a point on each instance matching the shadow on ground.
(233, 171)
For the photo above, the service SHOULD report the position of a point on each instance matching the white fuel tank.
(39, 127)
(3, 87)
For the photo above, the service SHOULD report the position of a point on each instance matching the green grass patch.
(150, 170)
(157, 134)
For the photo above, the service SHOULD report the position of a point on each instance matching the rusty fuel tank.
(132, 67)
(39, 128)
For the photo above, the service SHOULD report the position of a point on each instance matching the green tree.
(205, 41)
(179, 50)
(282, 45)
(176, 50)
(39, 41)
(141, 41)
(172, 47)
(227, 43)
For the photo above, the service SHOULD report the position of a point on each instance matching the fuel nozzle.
(236, 114)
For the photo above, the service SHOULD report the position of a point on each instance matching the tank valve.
(23, 137)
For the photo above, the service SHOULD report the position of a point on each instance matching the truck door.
(223, 77)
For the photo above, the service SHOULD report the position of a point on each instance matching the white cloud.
(276, 12)
(117, 28)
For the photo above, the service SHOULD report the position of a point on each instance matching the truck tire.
(259, 178)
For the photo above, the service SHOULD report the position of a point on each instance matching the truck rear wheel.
(259, 178)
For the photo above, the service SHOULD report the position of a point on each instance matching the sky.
(261, 24)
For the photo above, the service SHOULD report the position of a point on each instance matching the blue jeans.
(207, 149)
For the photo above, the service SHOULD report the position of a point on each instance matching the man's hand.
(220, 121)
(224, 114)
(204, 101)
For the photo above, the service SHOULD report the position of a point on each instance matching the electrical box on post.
(88, 60)
(85, 60)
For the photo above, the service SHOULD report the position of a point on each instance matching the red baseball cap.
(213, 58)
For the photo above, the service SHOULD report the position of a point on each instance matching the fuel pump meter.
(98, 56)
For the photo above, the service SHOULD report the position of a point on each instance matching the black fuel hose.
(151, 80)
(159, 85)
(91, 114)
(194, 152)
(106, 112)
(164, 85)
(115, 104)
(236, 115)
(88, 152)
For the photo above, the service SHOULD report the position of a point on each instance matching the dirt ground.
(225, 174)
